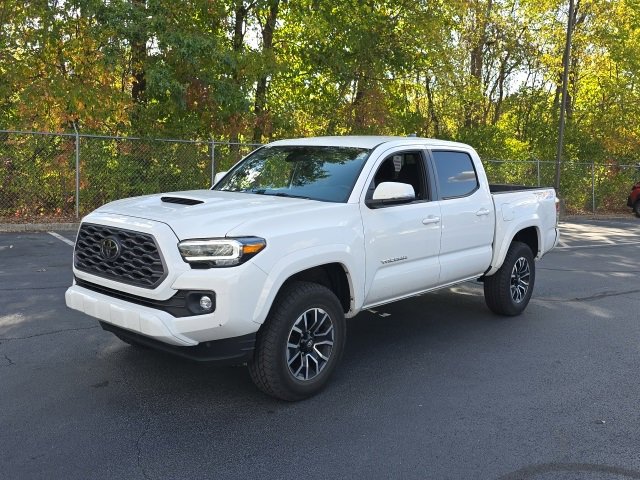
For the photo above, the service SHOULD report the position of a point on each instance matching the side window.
(402, 167)
(456, 175)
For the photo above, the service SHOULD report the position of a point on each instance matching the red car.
(634, 199)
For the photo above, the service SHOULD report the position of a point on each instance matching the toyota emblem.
(110, 248)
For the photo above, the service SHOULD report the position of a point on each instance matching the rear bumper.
(228, 351)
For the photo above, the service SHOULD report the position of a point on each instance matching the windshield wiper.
(263, 191)
(282, 194)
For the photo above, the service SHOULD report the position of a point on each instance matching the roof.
(364, 141)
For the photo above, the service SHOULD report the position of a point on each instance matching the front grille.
(118, 254)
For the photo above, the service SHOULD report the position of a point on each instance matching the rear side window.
(456, 175)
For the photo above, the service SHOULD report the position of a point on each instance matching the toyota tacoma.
(264, 267)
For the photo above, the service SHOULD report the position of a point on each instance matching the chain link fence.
(61, 177)
(585, 187)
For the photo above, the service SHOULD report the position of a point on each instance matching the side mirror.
(391, 193)
(218, 177)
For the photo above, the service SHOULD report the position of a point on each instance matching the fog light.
(206, 303)
(201, 303)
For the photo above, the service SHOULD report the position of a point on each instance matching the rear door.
(467, 212)
(402, 241)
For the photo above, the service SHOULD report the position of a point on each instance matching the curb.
(597, 216)
(36, 227)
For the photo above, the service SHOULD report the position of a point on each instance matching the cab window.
(455, 173)
(402, 167)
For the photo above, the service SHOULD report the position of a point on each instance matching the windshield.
(318, 173)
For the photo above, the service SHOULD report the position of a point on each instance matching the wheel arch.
(336, 275)
(331, 275)
(529, 235)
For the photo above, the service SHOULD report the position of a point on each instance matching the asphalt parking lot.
(436, 387)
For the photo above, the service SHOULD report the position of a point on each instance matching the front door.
(402, 241)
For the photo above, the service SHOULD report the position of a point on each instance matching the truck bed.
(504, 187)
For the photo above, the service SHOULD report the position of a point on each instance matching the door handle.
(482, 212)
(430, 220)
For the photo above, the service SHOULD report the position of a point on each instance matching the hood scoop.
(181, 200)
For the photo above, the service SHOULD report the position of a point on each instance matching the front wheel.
(508, 291)
(636, 208)
(300, 343)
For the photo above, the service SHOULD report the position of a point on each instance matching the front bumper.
(237, 291)
(137, 318)
(227, 351)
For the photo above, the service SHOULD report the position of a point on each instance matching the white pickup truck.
(265, 266)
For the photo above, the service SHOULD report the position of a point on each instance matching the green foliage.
(485, 72)
(118, 168)
(36, 175)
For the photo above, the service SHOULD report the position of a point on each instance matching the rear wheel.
(300, 343)
(508, 291)
(636, 208)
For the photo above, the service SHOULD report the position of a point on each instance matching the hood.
(207, 213)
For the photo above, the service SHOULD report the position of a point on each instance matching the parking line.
(61, 238)
(596, 245)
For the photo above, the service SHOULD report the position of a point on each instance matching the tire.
(295, 355)
(508, 291)
(636, 208)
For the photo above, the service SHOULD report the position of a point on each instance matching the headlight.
(221, 252)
